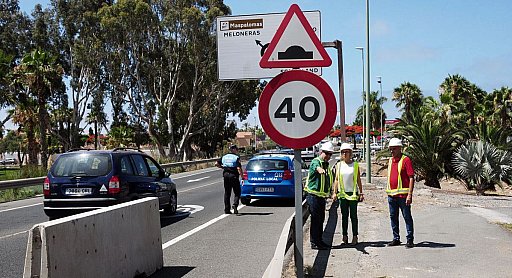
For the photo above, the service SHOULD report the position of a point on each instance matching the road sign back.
(295, 44)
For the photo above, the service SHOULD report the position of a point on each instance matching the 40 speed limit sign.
(297, 109)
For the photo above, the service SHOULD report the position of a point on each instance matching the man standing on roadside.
(399, 189)
(232, 171)
(318, 188)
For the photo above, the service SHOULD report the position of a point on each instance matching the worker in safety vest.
(348, 189)
(318, 188)
(399, 189)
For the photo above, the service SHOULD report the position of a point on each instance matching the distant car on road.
(269, 176)
(8, 161)
(84, 180)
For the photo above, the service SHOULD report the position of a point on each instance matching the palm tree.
(463, 98)
(408, 97)
(496, 107)
(40, 76)
(430, 146)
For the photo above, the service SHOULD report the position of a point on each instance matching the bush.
(482, 166)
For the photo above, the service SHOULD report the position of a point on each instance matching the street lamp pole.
(368, 159)
(363, 124)
(379, 80)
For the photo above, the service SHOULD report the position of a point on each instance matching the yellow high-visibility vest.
(341, 186)
(399, 189)
(319, 187)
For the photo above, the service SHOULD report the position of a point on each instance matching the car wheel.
(173, 205)
(245, 201)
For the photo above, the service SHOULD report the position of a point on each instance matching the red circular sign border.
(318, 83)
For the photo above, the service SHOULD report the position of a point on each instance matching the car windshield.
(267, 165)
(82, 164)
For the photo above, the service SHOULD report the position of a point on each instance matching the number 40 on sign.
(297, 109)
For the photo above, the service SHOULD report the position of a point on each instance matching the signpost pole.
(299, 250)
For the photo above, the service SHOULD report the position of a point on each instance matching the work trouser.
(231, 183)
(396, 204)
(316, 206)
(349, 207)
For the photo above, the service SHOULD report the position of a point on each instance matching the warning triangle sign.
(295, 44)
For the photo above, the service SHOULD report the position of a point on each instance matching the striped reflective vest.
(399, 190)
(341, 186)
(316, 184)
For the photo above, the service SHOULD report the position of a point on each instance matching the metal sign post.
(299, 248)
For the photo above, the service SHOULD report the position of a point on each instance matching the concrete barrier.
(118, 241)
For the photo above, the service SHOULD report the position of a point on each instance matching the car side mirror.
(163, 174)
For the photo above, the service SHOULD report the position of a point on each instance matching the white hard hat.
(346, 146)
(395, 142)
(328, 147)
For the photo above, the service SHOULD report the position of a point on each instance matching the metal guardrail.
(40, 180)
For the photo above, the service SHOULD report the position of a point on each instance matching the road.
(199, 241)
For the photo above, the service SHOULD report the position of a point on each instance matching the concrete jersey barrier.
(118, 241)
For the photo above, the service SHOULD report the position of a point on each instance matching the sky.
(415, 41)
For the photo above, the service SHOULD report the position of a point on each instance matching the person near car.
(318, 189)
(232, 172)
(348, 190)
(400, 185)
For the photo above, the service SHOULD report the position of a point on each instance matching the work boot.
(345, 239)
(235, 209)
(354, 240)
(395, 242)
(318, 246)
(409, 244)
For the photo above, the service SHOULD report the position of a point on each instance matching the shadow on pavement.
(169, 220)
(322, 258)
(361, 246)
(172, 271)
(430, 244)
(272, 203)
(253, 213)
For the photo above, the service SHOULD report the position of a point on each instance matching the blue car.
(84, 180)
(268, 176)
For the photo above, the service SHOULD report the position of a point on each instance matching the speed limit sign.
(297, 109)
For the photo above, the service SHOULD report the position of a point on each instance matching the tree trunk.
(42, 133)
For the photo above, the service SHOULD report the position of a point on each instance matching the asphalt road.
(199, 241)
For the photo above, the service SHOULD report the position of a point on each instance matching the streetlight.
(362, 60)
(368, 159)
(379, 80)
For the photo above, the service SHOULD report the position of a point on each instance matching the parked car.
(9, 161)
(309, 153)
(375, 146)
(84, 180)
(269, 176)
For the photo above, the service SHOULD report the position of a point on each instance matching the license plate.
(78, 191)
(264, 189)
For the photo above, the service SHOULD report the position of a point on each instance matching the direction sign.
(295, 44)
(242, 40)
(297, 109)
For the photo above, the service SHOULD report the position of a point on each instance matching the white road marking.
(38, 204)
(6, 236)
(202, 172)
(195, 230)
(199, 179)
(181, 191)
